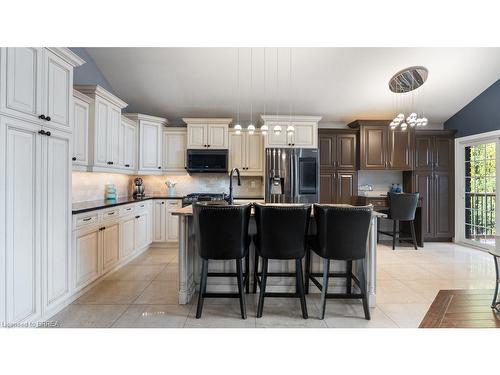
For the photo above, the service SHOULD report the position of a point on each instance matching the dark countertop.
(81, 207)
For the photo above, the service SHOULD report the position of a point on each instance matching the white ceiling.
(340, 84)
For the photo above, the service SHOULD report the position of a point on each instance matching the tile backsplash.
(89, 186)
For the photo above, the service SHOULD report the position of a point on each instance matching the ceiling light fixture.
(251, 126)
(277, 128)
(290, 128)
(237, 127)
(264, 128)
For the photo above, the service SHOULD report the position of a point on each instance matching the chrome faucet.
(231, 198)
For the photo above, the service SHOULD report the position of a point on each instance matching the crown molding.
(295, 118)
(142, 117)
(82, 96)
(96, 90)
(67, 55)
(128, 120)
(202, 120)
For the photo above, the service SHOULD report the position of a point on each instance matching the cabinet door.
(424, 186)
(58, 92)
(80, 132)
(150, 146)
(130, 139)
(114, 127)
(21, 81)
(346, 187)
(373, 147)
(56, 223)
(159, 220)
(110, 246)
(87, 257)
(217, 136)
(400, 150)
(174, 151)
(277, 140)
(327, 188)
(327, 150)
(127, 237)
(443, 154)
(22, 152)
(197, 136)
(346, 152)
(237, 154)
(141, 231)
(305, 136)
(102, 118)
(443, 202)
(173, 220)
(424, 146)
(254, 155)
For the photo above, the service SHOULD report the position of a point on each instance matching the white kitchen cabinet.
(36, 202)
(81, 112)
(174, 150)
(141, 235)
(160, 220)
(87, 262)
(36, 84)
(127, 237)
(305, 133)
(172, 234)
(105, 125)
(128, 145)
(207, 133)
(246, 152)
(150, 142)
(110, 246)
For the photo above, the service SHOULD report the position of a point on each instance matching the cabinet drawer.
(111, 214)
(141, 207)
(86, 220)
(174, 204)
(127, 210)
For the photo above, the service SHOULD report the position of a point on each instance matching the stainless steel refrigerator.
(292, 175)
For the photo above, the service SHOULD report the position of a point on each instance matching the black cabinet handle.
(102, 228)
(159, 167)
(127, 165)
(48, 134)
(138, 216)
(73, 158)
(110, 163)
(41, 132)
(87, 219)
(47, 118)
(41, 117)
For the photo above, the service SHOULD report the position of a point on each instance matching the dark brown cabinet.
(433, 179)
(338, 165)
(382, 148)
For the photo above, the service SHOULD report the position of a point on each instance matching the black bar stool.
(222, 234)
(342, 234)
(402, 207)
(281, 234)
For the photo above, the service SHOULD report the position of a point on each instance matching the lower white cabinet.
(110, 246)
(160, 220)
(173, 220)
(127, 237)
(86, 256)
(141, 230)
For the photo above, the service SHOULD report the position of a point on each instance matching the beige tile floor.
(144, 294)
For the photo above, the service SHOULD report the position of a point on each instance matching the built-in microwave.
(207, 161)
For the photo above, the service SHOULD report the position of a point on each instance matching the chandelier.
(402, 83)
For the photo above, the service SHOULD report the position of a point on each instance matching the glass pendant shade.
(290, 129)
(237, 127)
(251, 129)
(277, 130)
(264, 129)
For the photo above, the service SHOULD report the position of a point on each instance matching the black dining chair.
(221, 233)
(282, 235)
(342, 235)
(402, 208)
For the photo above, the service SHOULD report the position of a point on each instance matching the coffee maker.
(138, 188)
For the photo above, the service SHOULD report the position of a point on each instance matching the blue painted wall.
(479, 116)
(89, 73)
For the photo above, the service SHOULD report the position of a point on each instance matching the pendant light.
(237, 127)
(277, 128)
(290, 129)
(264, 128)
(251, 126)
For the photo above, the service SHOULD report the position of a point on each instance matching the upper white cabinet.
(174, 150)
(150, 142)
(81, 112)
(246, 152)
(128, 144)
(105, 126)
(37, 85)
(204, 133)
(305, 134)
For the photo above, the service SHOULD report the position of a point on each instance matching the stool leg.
(263, 280)
(394, 233)
(348, 285)
(494, 303)
(324, 289)
(363, 290)
(255, 272)
(300, 287)
(378, 228)
(247, 276)
(413, 236)
(308, 270)
(203, 287)
(239, 271)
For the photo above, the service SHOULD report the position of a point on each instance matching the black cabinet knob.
(208, 145)
(48, 134)
(41, 132)
(185, 167)
(162, 202)
(127, 165)
(41, 117)
(47, 118)
(137, 217)
(73, 158)
(110, 163)
(159, 167)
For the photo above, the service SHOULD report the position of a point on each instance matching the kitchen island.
(189, 264)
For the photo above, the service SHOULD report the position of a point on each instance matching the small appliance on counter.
(138, 188)
(110, 192)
